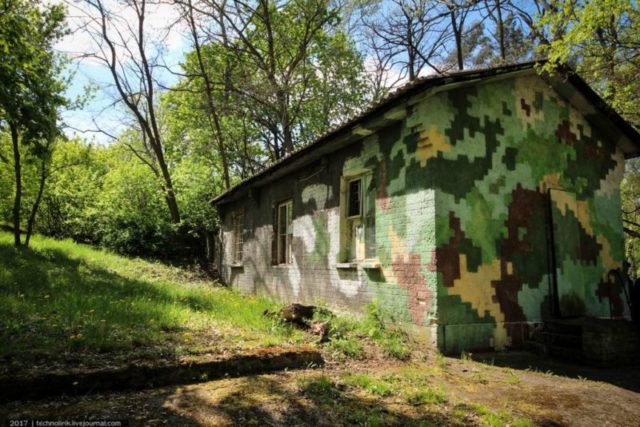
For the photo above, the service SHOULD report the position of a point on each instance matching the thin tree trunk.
(213, 115)
(411, 54)
(148, 125)
(170, 195)
(503, 48)
(36, 204)
(457, 33)
(17, 200)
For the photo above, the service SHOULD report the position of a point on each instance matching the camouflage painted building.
(473, 206)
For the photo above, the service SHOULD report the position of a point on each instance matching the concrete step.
(565, 353)
(561, 340)
(561, 326)
(535, 347)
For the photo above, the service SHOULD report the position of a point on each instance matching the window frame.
(284, 256)
(237, 242)
(345, 255)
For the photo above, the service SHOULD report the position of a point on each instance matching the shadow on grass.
(51, 303)
(319, 401)
(624, 377)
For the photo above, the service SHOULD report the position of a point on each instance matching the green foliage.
(30, 70)
(106, 196)
(102, 195)
(70, 202)
(347, 347)
(630, 195)
(498, 419)
(293, 73)
(61, 296)
(31, 93)
(601, 39)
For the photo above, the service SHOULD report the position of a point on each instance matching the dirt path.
(432, 391)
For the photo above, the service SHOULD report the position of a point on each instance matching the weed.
(346, 347)
(480, 378)
(320, 388)
(427, 395)
(378, 387)
(498, 419)
(441, 361)
(513, 378)
(381, 327)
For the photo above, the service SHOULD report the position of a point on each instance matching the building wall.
(406, 282)
(461, 218)
(505, 146)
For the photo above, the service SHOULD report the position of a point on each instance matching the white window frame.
(345, 255)
(237, 225)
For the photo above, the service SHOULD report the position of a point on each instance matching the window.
(354, 198)
(358, 236)
(237, 224)
(284, 232)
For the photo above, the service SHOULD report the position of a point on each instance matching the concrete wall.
(509, 147)
(460, 198)
(405, 282)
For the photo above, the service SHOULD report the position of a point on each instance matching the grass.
(59, 296)
(348, 333)
(373, 386)
(425, 391)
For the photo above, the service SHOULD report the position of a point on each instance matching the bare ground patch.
(427, 390)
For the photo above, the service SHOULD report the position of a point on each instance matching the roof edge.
(440, 81)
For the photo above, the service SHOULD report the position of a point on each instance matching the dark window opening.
(355, 198)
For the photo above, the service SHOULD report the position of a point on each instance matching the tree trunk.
(170, 195)
(17, 200)
(208, 87)
(36, 204)
(457, 33)
(411, 53)
(503, 48)
(287, 137)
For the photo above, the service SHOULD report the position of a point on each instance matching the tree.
(602, 40)
(132, 61)
(31, 90)
(188, 12)
(500, 37)
(410, 35)
(272, 51)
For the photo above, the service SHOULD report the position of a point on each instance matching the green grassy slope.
(58, 296)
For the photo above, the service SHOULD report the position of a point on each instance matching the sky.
(102, 117)
(101, 112)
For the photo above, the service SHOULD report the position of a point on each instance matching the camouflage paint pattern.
(476, 197)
